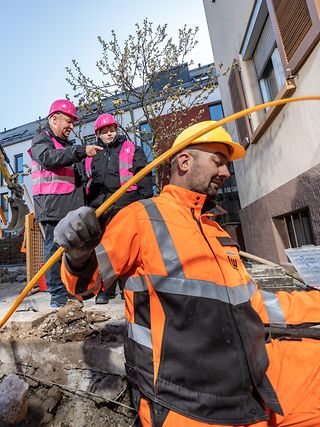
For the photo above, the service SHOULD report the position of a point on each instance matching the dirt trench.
(51, 406)
(73, 364)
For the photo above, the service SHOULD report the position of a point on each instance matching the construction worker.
(197, 352)
(111, 168)
(57, 183)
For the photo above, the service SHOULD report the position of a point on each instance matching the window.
(272, 78)
(216, 111)
(146, 143)
(146, 140)
(4, 204)
(228, 198)
(297, 30)
(18, 165)
(293, 27)
(89, 139)
(268, 64)
(261, 47)
(298, 228)
(279, 38)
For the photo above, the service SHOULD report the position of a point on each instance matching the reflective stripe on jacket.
(58, 181)
(87, 166)
(125, 166)
(125, 163)
(194, 342)
(286, 309)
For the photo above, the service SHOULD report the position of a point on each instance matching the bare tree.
(146, 72)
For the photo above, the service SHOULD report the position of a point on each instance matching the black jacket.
(106, 177)
(53, 207)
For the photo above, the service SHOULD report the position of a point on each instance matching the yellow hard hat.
(217, 135)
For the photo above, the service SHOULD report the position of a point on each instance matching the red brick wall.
(168, 129)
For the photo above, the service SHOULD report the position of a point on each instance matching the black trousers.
(112, 289)
(58, 291)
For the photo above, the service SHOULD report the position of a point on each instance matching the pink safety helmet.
(104, 120)
(63, 106)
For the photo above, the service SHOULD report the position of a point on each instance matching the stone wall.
(13, 275)
(263, 232)
(10, 250)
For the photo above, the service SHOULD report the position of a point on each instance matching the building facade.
(17, 141)
(272, 48)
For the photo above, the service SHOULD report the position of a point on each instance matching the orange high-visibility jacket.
(195, 342)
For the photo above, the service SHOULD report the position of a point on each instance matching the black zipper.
(231, 310)
(205, 238)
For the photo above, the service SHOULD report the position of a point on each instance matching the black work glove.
(79, 232)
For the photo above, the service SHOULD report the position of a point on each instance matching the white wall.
(290, 146)
(227, 21)
(292, 143)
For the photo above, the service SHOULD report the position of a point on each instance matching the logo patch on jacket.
(232, 258)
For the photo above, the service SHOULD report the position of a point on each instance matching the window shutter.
(296, 24)
(264, 48)
(239, 103)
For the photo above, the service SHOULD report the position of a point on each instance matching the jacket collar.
(186, 198)
(62, 141)
(119, 139)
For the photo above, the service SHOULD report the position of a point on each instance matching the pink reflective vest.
(125, 165)
(58, 181)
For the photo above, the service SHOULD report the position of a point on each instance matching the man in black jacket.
(57, 183)
(118, 161)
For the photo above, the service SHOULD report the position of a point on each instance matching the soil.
(53, 407)
(50, 403)
(69, 323)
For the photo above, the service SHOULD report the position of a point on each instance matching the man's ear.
(53, 119)
(184, 160)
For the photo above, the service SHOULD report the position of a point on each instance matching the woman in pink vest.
(112, 167)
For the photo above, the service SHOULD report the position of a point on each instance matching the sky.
(39, 38)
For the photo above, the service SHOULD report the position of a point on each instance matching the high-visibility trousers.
(294, 372)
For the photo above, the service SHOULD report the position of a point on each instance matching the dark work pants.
(112, 289)
(54, 283)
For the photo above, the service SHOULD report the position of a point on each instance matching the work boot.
(103, 298)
